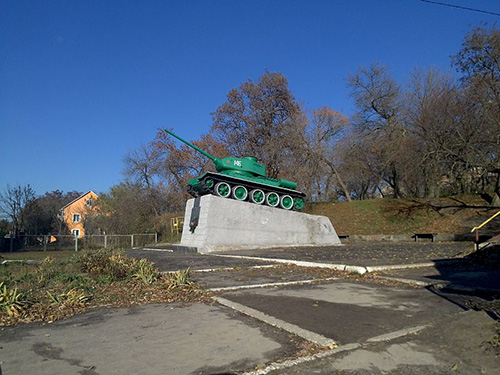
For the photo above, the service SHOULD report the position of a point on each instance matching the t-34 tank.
(244, 179)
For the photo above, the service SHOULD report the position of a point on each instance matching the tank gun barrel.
(213, 158)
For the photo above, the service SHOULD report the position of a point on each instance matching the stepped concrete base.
(227, 224)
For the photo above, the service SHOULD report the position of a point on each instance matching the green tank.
(244, 179)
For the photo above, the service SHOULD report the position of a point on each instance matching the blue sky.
(83, 82)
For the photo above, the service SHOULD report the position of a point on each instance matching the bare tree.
(479, 63)
(324, 132)
(141, 165)
(378, 100)
(12, 202)
(430, 108)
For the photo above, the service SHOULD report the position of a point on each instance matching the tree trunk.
(341, 182)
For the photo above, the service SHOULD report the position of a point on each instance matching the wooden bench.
(430, 236)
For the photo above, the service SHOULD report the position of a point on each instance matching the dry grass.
(400, 216)
(60, 288)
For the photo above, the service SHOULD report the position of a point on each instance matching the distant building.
(75, 212)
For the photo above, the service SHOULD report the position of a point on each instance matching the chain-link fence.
(68, 242)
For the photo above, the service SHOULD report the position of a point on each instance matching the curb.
(348, 347)
(339, 267)
(343, 267)
(29, 261)
(391, 267)
(267, 285)
(406, 281)
(292, 328)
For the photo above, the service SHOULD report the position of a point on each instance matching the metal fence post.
(76, 243)
(105, 241)
(132, 241)
(45, 243)
(156, 237)
(477, 240)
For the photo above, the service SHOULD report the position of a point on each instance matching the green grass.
(400, 216)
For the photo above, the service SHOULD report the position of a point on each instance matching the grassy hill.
(400, 216)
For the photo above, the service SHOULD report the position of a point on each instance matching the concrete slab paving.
(253, 276)
(365, 253)
(201, 339)
(347, 312)
(167, 261)
(150, 339)
(452, 345)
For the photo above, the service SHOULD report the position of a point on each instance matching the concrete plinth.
(227, 224)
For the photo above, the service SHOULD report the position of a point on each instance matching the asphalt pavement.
(279, 319)
(365, 253)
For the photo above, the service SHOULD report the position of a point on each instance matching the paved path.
(451, 346)
(365, 253)
(151, 339)
(168, 261)
(379, 329)
(347, 312)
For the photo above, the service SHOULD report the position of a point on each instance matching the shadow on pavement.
(472, 285)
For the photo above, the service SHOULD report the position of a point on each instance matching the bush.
(11, 301)
(146, 272)
(105, 262)
(179, 279)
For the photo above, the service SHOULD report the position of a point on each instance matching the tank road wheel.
(257, 196)
(286, 202)
(209, 183)
(222, 189)
(272, 199)
(298, 204)
(240, 193)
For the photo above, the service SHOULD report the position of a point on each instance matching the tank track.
(250, 191)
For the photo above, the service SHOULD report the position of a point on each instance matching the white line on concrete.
(234, 268)
(292, 328)
(340, 267)
(412, 265)
(293, 362)
(26, 261)
(398, 334)
(343, 267)
(153, 249)
(266, 285)
(406, 281)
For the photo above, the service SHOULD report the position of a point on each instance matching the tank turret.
(244, 179)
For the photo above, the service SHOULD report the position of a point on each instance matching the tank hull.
(215, 183)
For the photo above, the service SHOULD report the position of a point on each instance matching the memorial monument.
(239, 207)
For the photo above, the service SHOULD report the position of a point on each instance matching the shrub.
(74, 297)
(146, 272)
(105, 262)
(179, 279)
(11, 301)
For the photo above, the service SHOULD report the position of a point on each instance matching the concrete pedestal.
(227, 224)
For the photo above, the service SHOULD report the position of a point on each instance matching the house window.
(76, 218)
(76, 232)
(88, 202)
